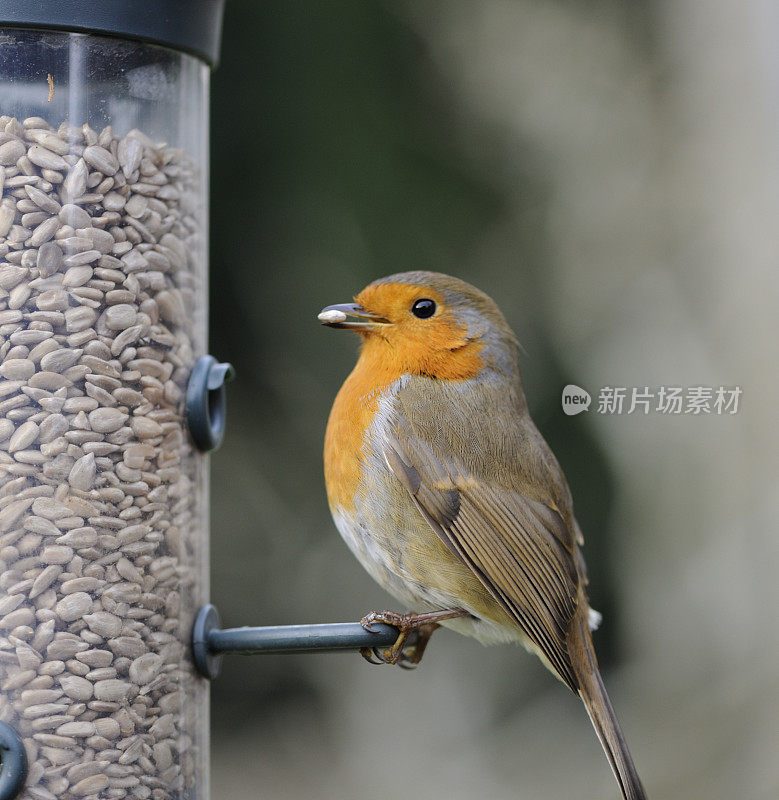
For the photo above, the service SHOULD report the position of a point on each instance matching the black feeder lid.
(194, 26)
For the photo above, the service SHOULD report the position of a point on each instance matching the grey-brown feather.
(500, 514)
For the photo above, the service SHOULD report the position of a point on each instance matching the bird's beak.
(337, 316)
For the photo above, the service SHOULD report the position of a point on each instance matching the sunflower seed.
(73, 606)
(75, 182)
(46, 158)
(11, 152)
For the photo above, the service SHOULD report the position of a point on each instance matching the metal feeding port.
(207, 402)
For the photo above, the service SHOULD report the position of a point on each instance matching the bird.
(446, 492)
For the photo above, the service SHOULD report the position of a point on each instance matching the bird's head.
(428, 324)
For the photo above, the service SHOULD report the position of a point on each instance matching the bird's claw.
(399, 621)
(415, 631)
(408, 662)
(407, 658)
(372, 655)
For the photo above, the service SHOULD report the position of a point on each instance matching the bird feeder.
(108, 403)
(107, 399)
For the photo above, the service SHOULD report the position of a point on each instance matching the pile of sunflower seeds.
(101, 515)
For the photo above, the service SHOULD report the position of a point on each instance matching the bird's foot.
(405, 652)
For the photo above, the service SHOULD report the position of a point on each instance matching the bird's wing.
(520, 548)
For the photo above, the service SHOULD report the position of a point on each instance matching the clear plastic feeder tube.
(103, 496)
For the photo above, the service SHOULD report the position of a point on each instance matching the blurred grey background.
(608, 172)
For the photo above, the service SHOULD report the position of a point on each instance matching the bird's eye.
(423, 308)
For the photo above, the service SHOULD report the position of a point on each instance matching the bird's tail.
(604, 720)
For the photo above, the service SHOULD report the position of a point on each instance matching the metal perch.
(210, 642)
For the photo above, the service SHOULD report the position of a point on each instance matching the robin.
(444, 489)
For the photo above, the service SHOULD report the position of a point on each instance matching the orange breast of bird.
(351, 417)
